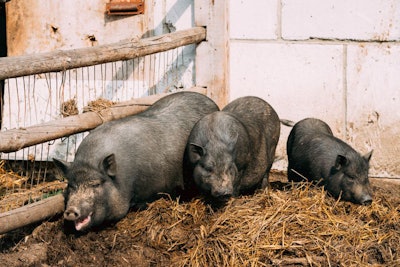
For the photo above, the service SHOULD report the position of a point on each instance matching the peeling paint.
(35, 26)
(384, 140)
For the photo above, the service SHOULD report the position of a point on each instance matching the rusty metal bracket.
(124, 8)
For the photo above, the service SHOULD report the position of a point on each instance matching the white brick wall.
(341, 19)
(254, 19)
(299, 80)
(338, 60)
(373, 86)
(373, 81)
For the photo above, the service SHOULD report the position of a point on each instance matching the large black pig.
(315, 154)
(128, 162)
(230, 152)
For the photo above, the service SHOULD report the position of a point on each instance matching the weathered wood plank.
(15, 139)
(11, 67)
(32, 213)
(212, 56)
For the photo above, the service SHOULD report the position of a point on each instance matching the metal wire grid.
(36, 99)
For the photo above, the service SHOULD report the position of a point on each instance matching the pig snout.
(366, 200)
(80, 211)
(361, 194)
(79, 217)
(223, 188)
(72, 213)
(221, 192)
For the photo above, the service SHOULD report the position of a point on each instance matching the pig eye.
(208, 168)
(95, 184)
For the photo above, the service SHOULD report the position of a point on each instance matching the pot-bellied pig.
(316, 155)
(230, 152)
(129, 162)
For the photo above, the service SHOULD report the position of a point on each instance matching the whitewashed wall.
(338, 60)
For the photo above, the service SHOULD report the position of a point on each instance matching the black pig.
(315, 154)
(230, 152)
(128, 162)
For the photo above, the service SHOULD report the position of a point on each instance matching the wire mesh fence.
(28, 175)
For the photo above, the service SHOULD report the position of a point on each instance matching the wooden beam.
(32, 213)
(11, 67)
(15, 139)
(212, 56)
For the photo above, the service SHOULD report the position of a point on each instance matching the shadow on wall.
(179, 67)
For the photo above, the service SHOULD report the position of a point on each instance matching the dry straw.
(294, 225)
(17, 191)
(98, 105)
(300, 225)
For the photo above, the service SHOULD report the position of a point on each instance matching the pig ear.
(109, 165)
(340, 162)
(196, 152)
(61, 165)
(368, 156)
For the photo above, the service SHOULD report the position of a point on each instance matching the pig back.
(260, 120)
(312, 139)
(314, 154)
(263, 126)
(149, 146)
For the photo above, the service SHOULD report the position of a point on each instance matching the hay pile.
(293, 225)
(28, 194)
(69, 108)
(297, 226)
(9, 179)
(17, 191)
(98, 105)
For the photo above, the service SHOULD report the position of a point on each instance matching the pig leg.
(265, 181)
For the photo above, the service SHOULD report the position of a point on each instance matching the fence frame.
(212, 74)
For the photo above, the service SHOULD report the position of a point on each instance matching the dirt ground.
(291, 225)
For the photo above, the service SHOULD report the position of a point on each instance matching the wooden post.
(212, 56)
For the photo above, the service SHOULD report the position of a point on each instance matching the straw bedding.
(300, 225)
(17, 190)
(291, 225)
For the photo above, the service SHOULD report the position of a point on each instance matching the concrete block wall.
(337, 60)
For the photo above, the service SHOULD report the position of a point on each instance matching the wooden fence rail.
(31, 213)
(17, 66)
(15, 139)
